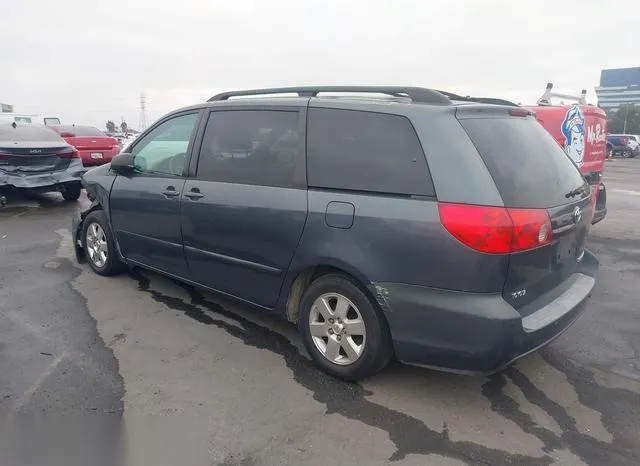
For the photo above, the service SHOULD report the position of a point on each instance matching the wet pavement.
(189, 379)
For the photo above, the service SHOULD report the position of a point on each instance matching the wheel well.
(83, 215)
(96, 206)
(93, 208)
(305, 278)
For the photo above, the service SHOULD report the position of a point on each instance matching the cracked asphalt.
(140, 370)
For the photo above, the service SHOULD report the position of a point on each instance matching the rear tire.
(72, 192)
(99, 245)
(343, 329)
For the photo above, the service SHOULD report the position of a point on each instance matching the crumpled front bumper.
(44, 180)
(76, 234)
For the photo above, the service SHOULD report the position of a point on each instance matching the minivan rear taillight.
(496, 230)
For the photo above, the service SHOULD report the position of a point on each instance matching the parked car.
(36, 158)
(449, 233)
(635, 140)
(94, 147)
(625, 145)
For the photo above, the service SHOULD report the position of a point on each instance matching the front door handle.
(170, 192)
(194, 194)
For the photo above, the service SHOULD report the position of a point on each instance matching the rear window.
(528, 166)
(81, 130)
(365, 151)
(28, 133)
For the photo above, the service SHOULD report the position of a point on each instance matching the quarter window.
(365, 151)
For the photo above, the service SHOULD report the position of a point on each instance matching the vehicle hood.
(98, 182)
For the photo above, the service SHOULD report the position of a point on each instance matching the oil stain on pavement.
(409, 434)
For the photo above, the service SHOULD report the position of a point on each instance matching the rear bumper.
(87, 159)
(601, 205)
(76, 234)
(599, 215)
(45, 181)
(476, 333)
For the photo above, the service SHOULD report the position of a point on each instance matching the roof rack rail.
(416, 94)
(480, 100)
(545, 100)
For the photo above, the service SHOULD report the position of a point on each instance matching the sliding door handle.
(170, 192)
(194, 194)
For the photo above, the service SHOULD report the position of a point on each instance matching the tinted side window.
(250, 147)
(365, 151)
(164, 149)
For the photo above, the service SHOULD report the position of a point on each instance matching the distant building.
(618, 87)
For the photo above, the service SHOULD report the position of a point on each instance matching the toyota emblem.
(577, 214)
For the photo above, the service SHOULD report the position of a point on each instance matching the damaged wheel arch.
(77, 226)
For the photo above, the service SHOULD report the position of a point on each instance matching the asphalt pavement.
(163, 374)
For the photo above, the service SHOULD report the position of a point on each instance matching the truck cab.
(581, 130)
(11, 117)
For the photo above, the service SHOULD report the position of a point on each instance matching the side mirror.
(122, 163)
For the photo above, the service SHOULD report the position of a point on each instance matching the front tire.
(342, 328)
(72, 192)
(99, 245)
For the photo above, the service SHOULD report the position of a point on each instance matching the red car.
(94, 147)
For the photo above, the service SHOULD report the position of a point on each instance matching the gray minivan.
(381, 220)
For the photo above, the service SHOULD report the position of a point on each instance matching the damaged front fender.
(77, 224)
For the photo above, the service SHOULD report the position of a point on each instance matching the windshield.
(528, 166)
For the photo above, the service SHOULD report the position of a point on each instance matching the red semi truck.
(581, 130)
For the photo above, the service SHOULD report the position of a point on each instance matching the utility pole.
(626, 115)
(143, 113)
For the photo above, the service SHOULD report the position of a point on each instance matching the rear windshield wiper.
(575, 192)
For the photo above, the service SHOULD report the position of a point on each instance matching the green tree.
(111, 127)
(625, 120)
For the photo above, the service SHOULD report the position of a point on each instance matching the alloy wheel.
(97, 245)
(337, 329)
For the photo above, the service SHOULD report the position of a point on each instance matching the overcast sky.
(89, 61)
